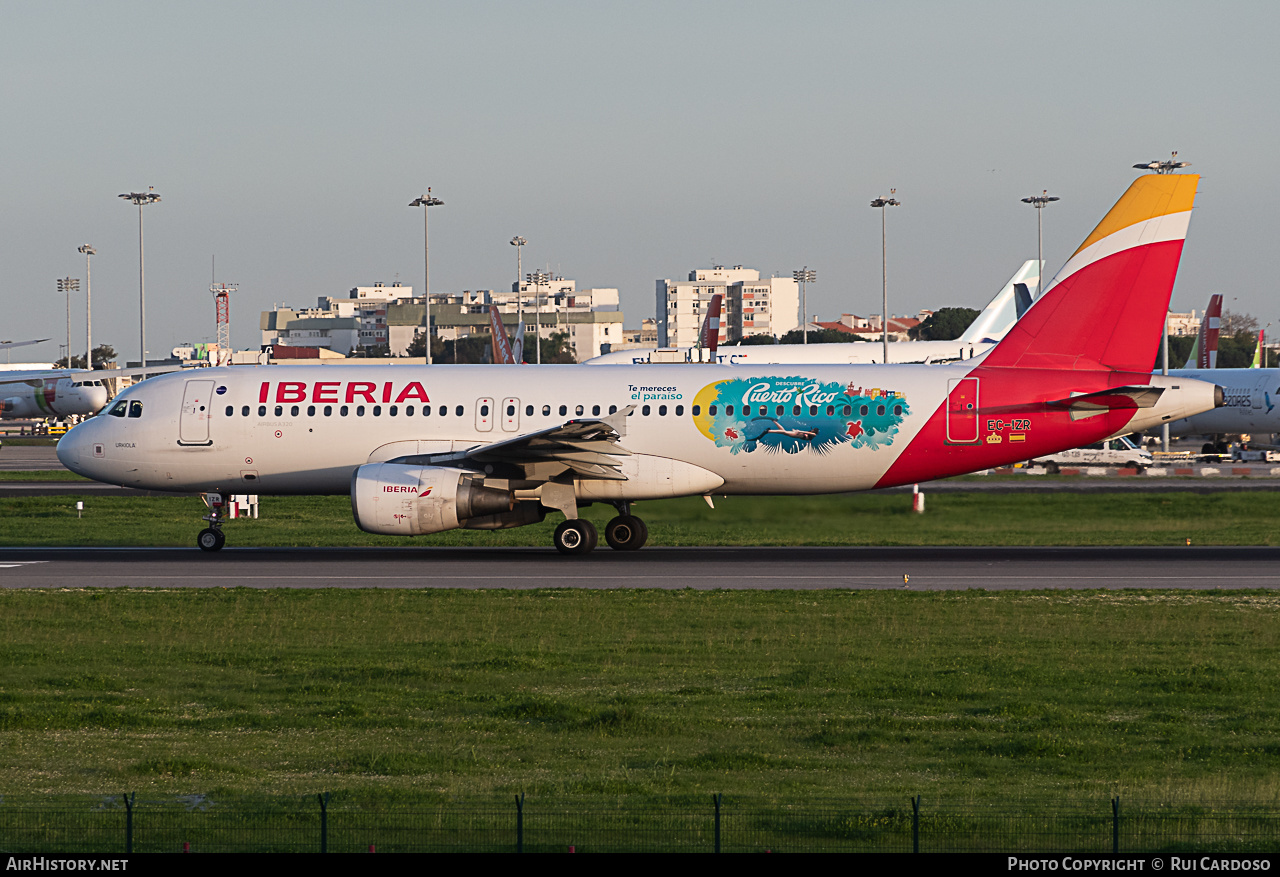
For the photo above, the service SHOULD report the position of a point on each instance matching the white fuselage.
(1251, 402)
(51, 397)
(305, 429)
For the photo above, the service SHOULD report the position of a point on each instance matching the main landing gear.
(626, 532)
(212, 538)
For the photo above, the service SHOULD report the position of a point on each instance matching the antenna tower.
(222, 303)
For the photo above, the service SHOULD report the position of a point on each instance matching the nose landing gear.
(212, 538)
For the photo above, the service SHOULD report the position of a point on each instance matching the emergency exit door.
(962, 410)
(197, 406)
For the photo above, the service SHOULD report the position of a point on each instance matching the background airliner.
(1010, 303)
(422, 449)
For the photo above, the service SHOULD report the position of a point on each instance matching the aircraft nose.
(72, 449)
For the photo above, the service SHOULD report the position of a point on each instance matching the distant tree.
(556, 349)
(944, 324)
(1238, 324)
(102, 354)
(820, 336)
(758, 339)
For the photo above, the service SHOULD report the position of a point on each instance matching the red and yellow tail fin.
(1106, 307)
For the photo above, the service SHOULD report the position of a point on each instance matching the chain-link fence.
(323, 823)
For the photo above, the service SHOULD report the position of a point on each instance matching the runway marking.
(18, 563)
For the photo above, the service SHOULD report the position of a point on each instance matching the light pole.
(1164, 167)
(68, 285)
(142, 199)
(89, 252)
(425, 202)
(802, 277)
(1040, 202)
(537, 278)
(882, 203)
(519, 242)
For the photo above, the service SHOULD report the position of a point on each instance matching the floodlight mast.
(426, 201)
(882, 203)
(222, 307)
(519, 242)
(1040, 202)
(803, 276)
(89, 252)
(68, 285)
(1164, 167)
(142, 199)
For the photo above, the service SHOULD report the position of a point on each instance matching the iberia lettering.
(293, 392)
(398, 488)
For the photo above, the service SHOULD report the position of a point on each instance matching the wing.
(589, 448)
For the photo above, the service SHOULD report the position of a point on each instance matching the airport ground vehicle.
(423, 449)
(1112, 452)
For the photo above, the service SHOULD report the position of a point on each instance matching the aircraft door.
(484, 415)
(962, 410)
(1256, 396)
(510, 414)
(197, 406)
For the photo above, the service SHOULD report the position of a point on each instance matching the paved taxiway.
(701, 568)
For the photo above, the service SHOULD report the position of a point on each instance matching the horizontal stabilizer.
(1089, 404)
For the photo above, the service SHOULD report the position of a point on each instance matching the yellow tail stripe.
(1150, 196)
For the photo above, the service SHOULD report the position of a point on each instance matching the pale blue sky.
(626, 141)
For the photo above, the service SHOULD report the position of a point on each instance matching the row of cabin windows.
(578, 410)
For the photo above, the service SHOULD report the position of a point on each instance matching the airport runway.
(669, 568)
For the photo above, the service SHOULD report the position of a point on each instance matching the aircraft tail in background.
(1106, 308)
(502, 352)
(1008, 306)
(1257, 351)
(709, 337)
(1204, 353)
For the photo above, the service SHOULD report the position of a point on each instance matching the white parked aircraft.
(61, 392)
(423, 449)
(1010, 303)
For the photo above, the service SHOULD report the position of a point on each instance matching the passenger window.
(231, 409)
(135, 408)
(408, 411)
(458, 410)
(444, 409)
(847, 411)
(377, 410)
(528, 411)
(546, 410)
(262, 410)
(293, 412)
(679, 410)
(613, 409)
(563, 410)
(279, 410)
(831, 409)
(392, 411)
(311, 411)
(712, 410)
(344, 410)
(511, 411)
(328, 411)
(897, 410)
(244, 412)
(662, 410)
(780, 410)
(120, 409)
(484, 411)
(813, 409)
(728, 409)
(863, 410)
(578, 411)
(359, 411)
(880, 410)
(795, 410)
(595, 409)
(697, 409)
(645, 411)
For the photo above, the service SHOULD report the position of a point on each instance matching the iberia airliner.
(422, 449)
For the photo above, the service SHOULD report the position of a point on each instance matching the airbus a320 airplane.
(423, 449)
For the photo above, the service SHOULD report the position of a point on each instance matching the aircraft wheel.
(211, 539)
(626, 533)
(575, 537)
(1133, 464)
(1051, 468)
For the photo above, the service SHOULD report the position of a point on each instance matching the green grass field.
(855, 519)
(780, 695)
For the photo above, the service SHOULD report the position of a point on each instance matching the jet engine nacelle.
(396, 499)
(17, 406)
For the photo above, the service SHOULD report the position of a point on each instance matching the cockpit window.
(119, 409)
(135, 408)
